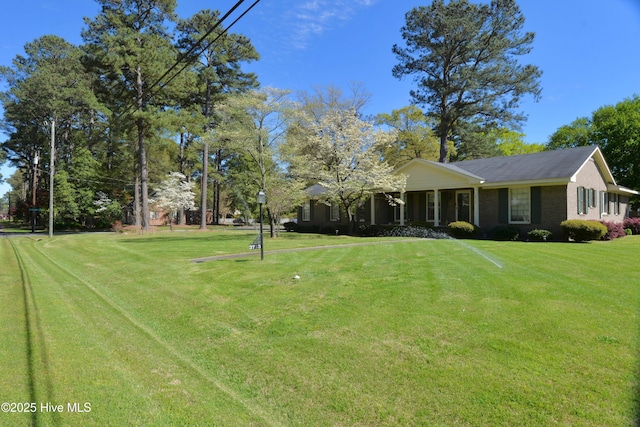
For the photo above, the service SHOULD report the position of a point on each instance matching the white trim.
(436, 207)
(403, 198)
(476, 206)
(598, 158)
(623, 190)
(373, 209)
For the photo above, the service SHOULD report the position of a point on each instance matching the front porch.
(437, 207)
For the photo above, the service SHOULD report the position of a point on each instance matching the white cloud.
(313, 17)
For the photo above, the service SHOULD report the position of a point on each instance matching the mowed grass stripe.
(139, 370)
(412, 333)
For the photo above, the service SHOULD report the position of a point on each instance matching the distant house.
(529, 191)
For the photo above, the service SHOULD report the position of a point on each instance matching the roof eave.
(622, 190)
(472, 178)
(529, 182)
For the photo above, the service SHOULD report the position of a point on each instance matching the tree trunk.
(136, 202)
(181, 216)
(444, 148)
(216, 188)
(142, 152)
(274, 232)
(144, 176)
(203, 185)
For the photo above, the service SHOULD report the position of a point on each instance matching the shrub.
(422, 232)
(628, 231)
(290, 226)
(368, 230)
(506, 232)
(117, 227)
(539, 235)
(581, 230)
(632, 224)
(614, 230)
(462, 229)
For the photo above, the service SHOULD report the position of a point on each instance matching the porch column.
(373, 209)
(436, 207)
(402, 197)
(476, 206)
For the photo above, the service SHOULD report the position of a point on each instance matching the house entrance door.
(463, 205)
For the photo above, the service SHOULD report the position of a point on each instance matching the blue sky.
(588, 50)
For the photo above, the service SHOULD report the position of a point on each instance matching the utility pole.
(51, 173)
(34, 213)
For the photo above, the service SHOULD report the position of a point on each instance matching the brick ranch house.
(530, 191)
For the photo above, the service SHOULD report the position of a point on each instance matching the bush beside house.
(580, 230)
(614, 230)
(632, 224)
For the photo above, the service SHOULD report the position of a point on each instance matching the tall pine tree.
(128, 44)
(464, 59)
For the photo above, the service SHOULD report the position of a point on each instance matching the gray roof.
(525, 167)
(316, 190)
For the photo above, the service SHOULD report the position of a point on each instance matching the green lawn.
(421, 332)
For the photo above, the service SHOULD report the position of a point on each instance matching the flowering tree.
(108, 210)
(341, 153)
(173, 194)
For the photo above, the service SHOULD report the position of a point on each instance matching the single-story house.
(530, 191)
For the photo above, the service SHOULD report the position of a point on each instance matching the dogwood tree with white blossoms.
(341, 153)
(173, 194)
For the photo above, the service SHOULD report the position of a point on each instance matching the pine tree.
(464, 60)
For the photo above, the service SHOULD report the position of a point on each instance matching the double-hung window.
(334, 214)
(604, 203)
(520, 205)
(615, 200)
(306, 211)
(431, 203)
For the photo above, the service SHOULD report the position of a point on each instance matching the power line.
(150, 91)
(201, 50)
(186, 54)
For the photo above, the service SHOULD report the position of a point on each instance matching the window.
(520, 205)
(604, 203)
(587, 198)
(615, 199)
(306, 211)
(334, 214)
(399, 205)
(463, 205)
(593, 198)
(431, 203)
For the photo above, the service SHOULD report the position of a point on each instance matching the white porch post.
(436, 207)
(476, 206)
(402, 197)
(373, 209)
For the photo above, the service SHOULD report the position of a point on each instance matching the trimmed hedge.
(539, 235)
(290, 226)
(415, 231)
(506, 232)
(462, 229)
(581, 230)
